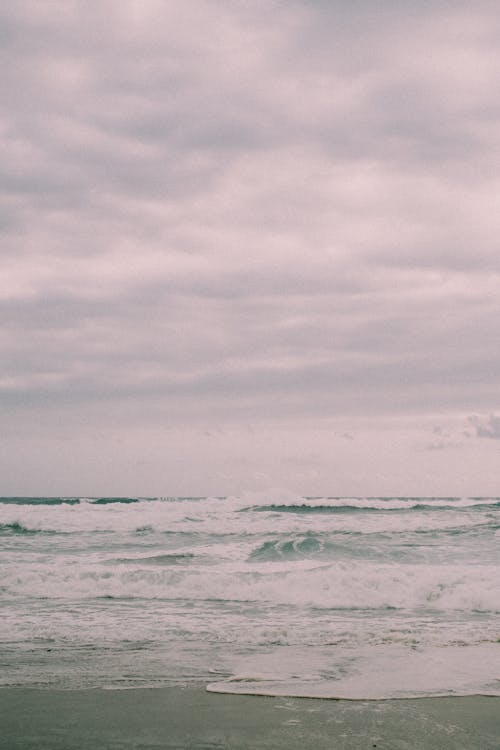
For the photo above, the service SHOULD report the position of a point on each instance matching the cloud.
(222, 212)
(486, 427)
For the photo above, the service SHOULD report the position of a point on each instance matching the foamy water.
(267, 593)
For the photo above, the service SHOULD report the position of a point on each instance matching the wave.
(39, 500)
(308, 546)
(76, 500)
(342, 586)
(67, 500)
(113, 500)
(72, 500)
(290, 549)
(374, 506)
(17, 528)
(260, 502)
(221, 520)
(180, 558)
(305, 508)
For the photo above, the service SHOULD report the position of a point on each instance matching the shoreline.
(235, 688)
(192, 717)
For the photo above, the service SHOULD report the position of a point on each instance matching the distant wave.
(305, 508)
(67, 500)
(376, 506)
(112, 500)
(298, 505)
(39, 500)
(18, 528)
(167, 559)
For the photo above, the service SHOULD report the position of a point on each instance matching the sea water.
(264, 593)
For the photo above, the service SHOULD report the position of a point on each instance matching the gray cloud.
(486, 427)
(223, 212)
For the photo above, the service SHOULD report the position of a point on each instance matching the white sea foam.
(235, 516)
(363, 674)
(305, 583)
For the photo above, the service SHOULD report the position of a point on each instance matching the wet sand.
(190, 717)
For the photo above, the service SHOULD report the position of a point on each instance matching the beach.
(269, 621)
(190, 717)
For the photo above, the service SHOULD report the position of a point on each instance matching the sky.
(249, 244)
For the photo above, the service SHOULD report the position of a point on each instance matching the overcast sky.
(250, 244)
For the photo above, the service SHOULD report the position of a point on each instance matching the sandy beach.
(190, 717)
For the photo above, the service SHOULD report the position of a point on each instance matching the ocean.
(265, 593)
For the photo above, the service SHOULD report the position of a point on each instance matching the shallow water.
(269, 593)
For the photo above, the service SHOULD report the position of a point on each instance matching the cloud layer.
(223, 213)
